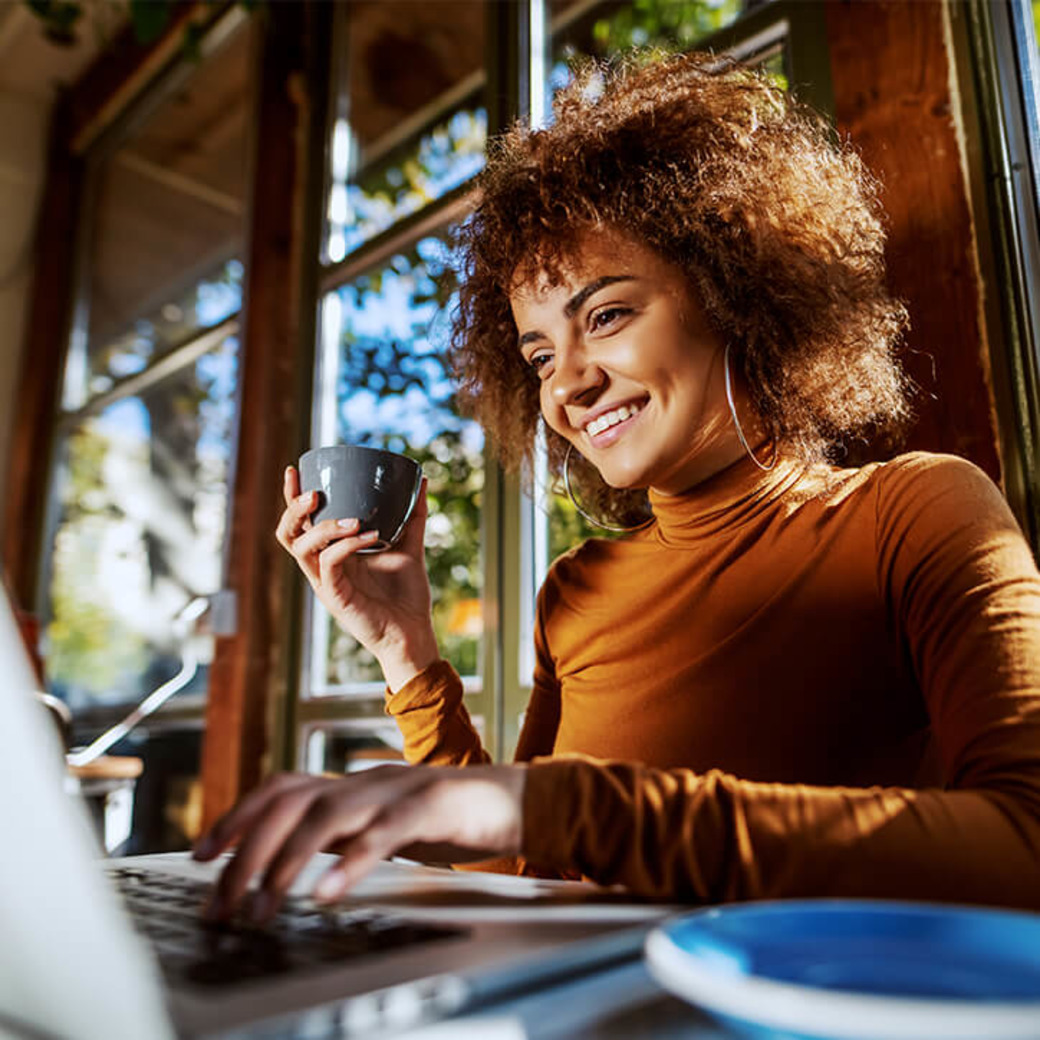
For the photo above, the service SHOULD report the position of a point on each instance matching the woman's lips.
(613, 433)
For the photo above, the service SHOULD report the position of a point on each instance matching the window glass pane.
(1028, 29)
(205, 304)
(342, 747)
(166, 222)
(410, 120)
(141, 503)
(774, 61)
(385, 334)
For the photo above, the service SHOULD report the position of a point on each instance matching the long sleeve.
(436, 726)
(433, 720)
(961, 596)
(437, 730)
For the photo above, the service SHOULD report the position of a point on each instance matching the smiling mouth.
(608, 427)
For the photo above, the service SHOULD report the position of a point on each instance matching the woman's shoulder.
(920, 475)
(917, 490)
(908, 475)
(587, 552)
(589, 564)
(940, 497)
(932, 464)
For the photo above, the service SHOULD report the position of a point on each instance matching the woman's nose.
(576, 375)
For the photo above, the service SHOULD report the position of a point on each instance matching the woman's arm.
(433, 720)
(383, 601)
(468, 817)
(437, 727)
(714, 838)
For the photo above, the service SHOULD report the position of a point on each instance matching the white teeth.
(604, 422)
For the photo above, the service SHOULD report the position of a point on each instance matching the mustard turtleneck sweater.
(806, 682)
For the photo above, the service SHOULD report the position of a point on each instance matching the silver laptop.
(113, 949)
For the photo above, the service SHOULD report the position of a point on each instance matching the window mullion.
(517, 79)
(169, 364)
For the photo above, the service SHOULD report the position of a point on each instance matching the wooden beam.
(252, 668)
(125, 69)
(178, 182)
(47, 332)
(890, 71)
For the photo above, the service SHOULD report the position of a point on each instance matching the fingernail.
(368, 536)
(352, 522)
(203, 848)
(330, 887)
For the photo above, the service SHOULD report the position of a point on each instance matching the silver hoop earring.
(591, 519)
(736, 422)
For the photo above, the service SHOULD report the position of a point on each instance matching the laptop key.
(166, 910)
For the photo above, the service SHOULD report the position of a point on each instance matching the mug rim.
(357, 447)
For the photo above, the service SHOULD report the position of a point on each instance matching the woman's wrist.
(403, 662)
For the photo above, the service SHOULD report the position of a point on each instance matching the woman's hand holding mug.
(382, 599)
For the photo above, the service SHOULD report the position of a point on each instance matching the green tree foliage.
(87, 645)
(676, 25)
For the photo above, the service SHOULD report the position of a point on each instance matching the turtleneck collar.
(725, 500)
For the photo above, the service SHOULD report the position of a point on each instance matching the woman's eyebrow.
(529, 337)
(571, 307)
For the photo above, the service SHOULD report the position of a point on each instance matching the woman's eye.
(539, 361)
(607, 316)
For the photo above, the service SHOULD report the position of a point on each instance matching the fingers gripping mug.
(378, 487)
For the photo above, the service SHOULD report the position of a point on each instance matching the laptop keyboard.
(165, 909)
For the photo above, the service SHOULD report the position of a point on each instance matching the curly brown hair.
(775, 223)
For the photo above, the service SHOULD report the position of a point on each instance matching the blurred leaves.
(664, 24)
(408, 177)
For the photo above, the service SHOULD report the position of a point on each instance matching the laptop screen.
(70, 966)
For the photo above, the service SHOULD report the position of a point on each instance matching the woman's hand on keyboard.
(454, 814)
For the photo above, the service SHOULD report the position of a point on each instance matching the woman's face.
(631, 374)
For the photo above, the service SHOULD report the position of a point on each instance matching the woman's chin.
(624, 481)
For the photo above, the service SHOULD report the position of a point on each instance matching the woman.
(798, 679)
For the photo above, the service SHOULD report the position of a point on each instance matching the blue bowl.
(856, 969)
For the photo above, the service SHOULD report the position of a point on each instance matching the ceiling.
(32, 64)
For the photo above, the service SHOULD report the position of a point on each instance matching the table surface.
(619, 1003)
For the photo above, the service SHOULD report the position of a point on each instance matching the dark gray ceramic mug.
(378, 487)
